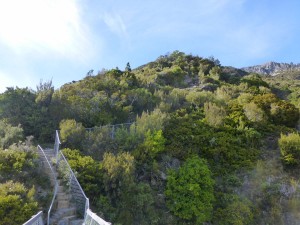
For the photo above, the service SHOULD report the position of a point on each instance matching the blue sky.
(63, 39)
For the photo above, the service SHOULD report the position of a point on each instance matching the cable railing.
(36, 219)
(54, 181)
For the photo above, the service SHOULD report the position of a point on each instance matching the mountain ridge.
(272, 68)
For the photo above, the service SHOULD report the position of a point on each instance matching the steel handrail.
(51, 205)
(94, 219)
(55, 185)
(36, 219)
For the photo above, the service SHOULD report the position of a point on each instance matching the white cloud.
(116, 24)
(37, 26)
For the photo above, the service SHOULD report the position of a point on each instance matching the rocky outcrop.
(272, 68)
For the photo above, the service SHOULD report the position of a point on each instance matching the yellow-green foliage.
(118, 166)
(214, 115)
(290, 148)
(15, 161)
(71, 132)
(87, 171)
(9, 134)
(155, 142)
(236, 213)
(17, 204)
(254, 113)
(150, 121)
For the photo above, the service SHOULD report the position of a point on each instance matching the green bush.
(290, 148)
(72, 133)
(14, 162)
(17, 204)
(88, 171)
(9, 134)
(189, 191)
(238, 212)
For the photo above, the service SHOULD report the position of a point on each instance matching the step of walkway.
(62, 214)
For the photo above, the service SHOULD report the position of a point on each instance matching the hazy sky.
(63, 39)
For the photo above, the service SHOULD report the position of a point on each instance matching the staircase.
(63, 211)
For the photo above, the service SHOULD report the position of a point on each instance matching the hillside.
(180, 140)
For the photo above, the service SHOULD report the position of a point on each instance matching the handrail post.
(87, 206)
(56, 144)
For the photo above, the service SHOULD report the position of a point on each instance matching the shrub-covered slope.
(198, 144)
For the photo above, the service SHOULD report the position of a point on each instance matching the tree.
(284, 113)
(154, 143)
(254, 113)
(72, 133)
(119, 171)
(18, 107)
(44, 93)
(189, 191)
(128, 67)
(214, 115)
(9, 134)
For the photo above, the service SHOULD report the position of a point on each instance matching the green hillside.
(200, 143)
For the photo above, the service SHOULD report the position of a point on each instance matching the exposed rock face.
(272, 68)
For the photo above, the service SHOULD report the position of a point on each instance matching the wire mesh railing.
(54, 180)
(112, 129)
(75, 190)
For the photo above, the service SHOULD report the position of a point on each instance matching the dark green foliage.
(22, 106)
(254, 80)
(226, 149)
(18, 107)
(189, 191)
(237, 212)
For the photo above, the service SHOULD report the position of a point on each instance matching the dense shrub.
(189, 191)
(290, 148)
(17, 203)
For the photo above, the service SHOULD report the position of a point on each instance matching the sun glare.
(39, 25)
